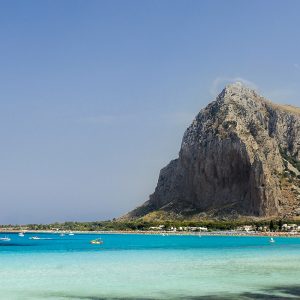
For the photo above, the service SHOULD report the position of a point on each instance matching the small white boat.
(39, 238)
(71, 233)
(5, 239)
(34, 238)
(21, 234)
(272, 240)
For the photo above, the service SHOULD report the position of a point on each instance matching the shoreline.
(166, 233)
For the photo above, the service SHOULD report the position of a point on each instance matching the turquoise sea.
(132, 266)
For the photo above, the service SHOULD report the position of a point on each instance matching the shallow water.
(149, 267)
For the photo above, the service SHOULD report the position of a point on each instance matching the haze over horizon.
(96, 95)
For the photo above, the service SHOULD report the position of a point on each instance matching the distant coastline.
(165, 233)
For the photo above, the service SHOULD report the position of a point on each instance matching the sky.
(95, 95)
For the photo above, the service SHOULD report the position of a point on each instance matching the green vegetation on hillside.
(141, 225)
(292, 160)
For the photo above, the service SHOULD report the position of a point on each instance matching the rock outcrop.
(239, 157)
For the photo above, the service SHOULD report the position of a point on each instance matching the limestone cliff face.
(240, 156)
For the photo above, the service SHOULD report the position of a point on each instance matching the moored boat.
(96, 241)
(34, 238)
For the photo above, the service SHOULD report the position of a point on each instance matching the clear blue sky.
(96, 95)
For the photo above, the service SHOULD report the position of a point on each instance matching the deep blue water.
(118, 242)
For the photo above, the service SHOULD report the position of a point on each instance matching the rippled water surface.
(149, 267)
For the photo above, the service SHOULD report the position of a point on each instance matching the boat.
(34, 238)
(21, 234)
(96, 242)
(62, 234)
(71, 233)
(5, 239)
(272, 240)
(40, 238)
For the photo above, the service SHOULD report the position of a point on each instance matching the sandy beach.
(152, 232)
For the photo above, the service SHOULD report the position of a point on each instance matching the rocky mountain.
(239, 157)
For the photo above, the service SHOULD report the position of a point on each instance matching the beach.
(164, 232)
